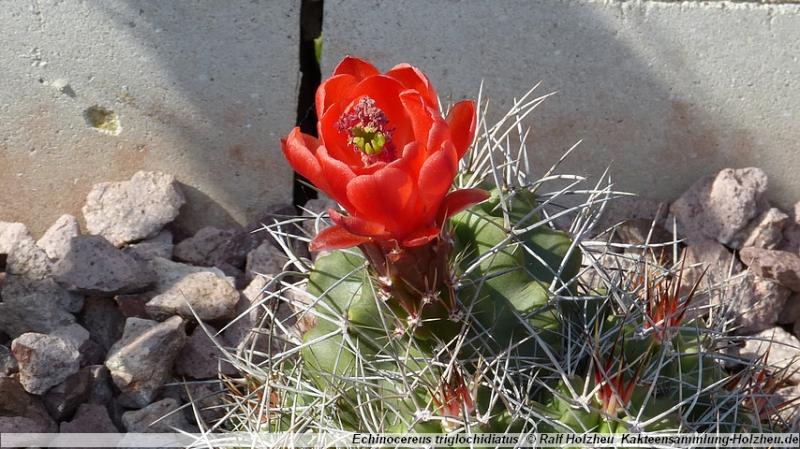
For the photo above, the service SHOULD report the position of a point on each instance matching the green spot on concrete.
(102, 120)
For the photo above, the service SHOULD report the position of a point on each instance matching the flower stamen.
(368, 131)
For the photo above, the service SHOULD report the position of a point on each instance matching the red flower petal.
(332, 90)
(421, 237)
(436, 177)
(299, 150)
(357, 67)
(358, 226)
(368, 169)
(333, 140)
(411, 159)
(337, 174)
(413, 78)
(459, 200)
(461, 119)
(438, 134)
(388, 197)
(420, 114)
(335, 237)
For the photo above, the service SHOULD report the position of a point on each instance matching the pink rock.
(765, 231)
(781, 266)
(784, 351)
(716, 285)
(757, 303)
(141, 362)
(721, 205)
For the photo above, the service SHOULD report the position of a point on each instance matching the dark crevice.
(311, 76)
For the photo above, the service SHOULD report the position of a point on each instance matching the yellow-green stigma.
(368, 139)
(367, 131)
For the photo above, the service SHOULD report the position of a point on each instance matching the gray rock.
(206, 248)
(317, 210)
(90, 418)
(720, 206)
(791, 238)
(785, 403)
(20, 411)
(55, 241)
(784, 351)
(757, 304)
(236, 275)
(63, 399)
(267, 259)
(630, 208)
(44, 361)
(22, 286)
(647, 237)
(765, 231)
(791, 310)
(201, 358)
(159, 246)
(780, 266)
(8, 364)
(641, 231)
(10, 236)
(290, 308)
(253, 235)
(21, 424)
(185, 290)
(91, 352)
(133, 306)
(93, 266)
(608, 266)
(791, 233)
(249, 314)
(33, 306)
(318, 206)
(24, 258)
(295, 311)
(207, 399)
(213, 247)
(128, 211)
(142, 360)
(75, 334)
(104, 321)
(101, 392)
(158, 417)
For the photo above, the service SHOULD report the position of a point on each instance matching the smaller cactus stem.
(664, 307)
(454, 398)
(614, 393)
(416, 279)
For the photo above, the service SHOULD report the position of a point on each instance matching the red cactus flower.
(664, 308)
(455, 397)
(613, 392)
(385, 154)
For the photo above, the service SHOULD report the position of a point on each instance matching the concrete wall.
(663, 91)
(202, 89)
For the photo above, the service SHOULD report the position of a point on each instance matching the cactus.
(491, 327)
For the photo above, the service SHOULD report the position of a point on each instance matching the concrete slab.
(665, 92)
(95, 91)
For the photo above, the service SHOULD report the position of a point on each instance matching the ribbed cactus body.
(503, 299)
(502, 288)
